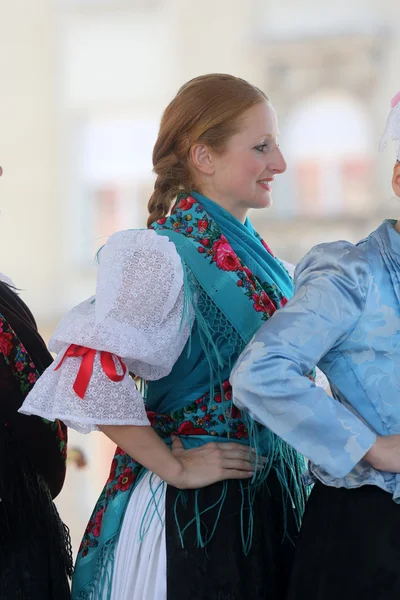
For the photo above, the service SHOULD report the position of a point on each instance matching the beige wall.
(29, 224)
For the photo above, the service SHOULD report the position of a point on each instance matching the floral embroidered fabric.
(25, 372)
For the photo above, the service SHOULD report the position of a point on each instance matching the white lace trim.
(106, 402)
(136, 315)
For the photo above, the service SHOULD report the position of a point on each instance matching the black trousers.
(349, 546)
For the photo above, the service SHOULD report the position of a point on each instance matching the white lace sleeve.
(136, 315)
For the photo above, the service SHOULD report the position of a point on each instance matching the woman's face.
(242, 176)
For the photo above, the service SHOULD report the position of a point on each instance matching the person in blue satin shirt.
(345, 318)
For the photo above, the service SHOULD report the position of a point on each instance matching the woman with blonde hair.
(176, 304)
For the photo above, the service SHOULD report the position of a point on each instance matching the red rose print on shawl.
(186, 203)
(202, 225)
(224, 255)
(263, 304)
(5, 343)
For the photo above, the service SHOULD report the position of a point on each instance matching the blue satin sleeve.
(268, 379)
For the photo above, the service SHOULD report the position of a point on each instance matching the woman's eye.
(261, 147)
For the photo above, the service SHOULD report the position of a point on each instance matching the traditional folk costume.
(345, 317)
(35, 557)
(175, 305)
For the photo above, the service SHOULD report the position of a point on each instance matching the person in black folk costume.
(35, 552)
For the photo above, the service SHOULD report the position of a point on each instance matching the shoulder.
(335, 258)
(14, 308)
(139, 240)
(140, 248)
(341, 266)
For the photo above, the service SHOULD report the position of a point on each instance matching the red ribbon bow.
(86, 369)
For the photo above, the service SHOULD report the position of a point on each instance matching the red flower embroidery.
(162, 220)
(263, 304)
(189, 230)
(5, 343)
(200, 249)
(151, 415)
(205, 242)
(98, 518)
(248, 273)
(120, 452)
(186, 203)
(90, 526)
(84, 547)
(235, 412)
(202, 225)
(113, 471)
(241, 431)
(32, 377)
(224, 255)
(283, 301)
(125, 480)
(187, 428)
(19, 366)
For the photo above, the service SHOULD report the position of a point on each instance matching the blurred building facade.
(84, 83)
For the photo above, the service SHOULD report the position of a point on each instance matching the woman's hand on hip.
(211, 463)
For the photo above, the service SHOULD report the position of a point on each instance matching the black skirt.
(35, 553)
(349, 546)
(221, 570)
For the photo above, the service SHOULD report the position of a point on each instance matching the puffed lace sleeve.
(268, 379)
(135, 323)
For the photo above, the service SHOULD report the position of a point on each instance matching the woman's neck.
(236, 210)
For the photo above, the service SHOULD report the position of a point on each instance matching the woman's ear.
(202, 159)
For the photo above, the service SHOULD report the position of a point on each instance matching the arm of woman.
(181, 468)
(137, 315)
(268, 379)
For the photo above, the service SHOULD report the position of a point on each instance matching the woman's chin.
(263, 200)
